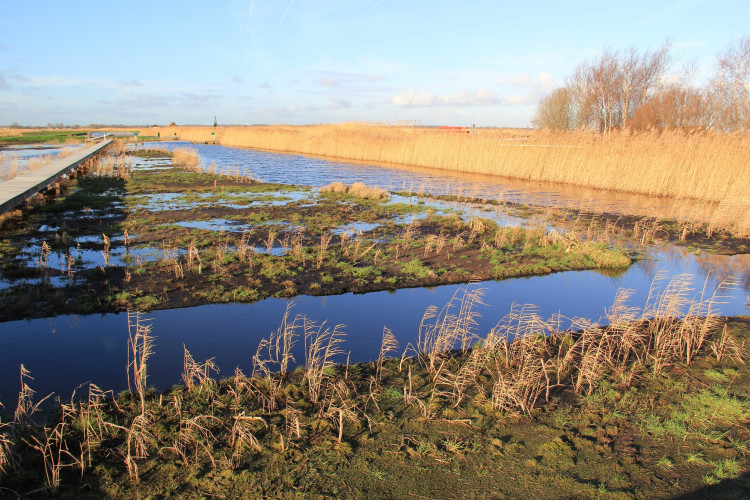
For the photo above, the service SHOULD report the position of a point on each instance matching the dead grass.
(358, 190)
(186, 158)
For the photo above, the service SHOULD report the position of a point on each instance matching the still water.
(304, 170)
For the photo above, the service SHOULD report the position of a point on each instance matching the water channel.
(65, 351)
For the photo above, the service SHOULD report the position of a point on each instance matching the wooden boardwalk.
(14, 192)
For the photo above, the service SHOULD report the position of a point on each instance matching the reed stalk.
(196, 374)
(322, 345)
(140, 348)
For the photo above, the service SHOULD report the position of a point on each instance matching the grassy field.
(20, 136)
(712, 168)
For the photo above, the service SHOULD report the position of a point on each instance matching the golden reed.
(698, 166)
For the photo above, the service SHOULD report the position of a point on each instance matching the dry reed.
(388, 345)
(140, 348)
(708, 166)
(186, 158)
(322, 345)
(519, 363)
(196, 374)
(358, 190)
(275, 352)
(55, 453)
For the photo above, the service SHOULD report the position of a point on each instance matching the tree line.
(632, 89)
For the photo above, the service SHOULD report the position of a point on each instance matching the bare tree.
(653, 66)
(555, 111)
(677, 105)
(731, 87)
(605, 93)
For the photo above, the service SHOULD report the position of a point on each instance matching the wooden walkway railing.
(14, 192)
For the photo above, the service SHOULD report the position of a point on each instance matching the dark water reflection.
(65, 351)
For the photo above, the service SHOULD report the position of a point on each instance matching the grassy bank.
(710, 167)
(648, 407)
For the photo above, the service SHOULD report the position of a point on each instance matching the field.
(21, 136)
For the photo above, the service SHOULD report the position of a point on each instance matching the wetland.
(218, 251)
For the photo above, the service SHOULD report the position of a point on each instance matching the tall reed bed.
(707, 166)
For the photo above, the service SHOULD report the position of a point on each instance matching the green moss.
(415, 268)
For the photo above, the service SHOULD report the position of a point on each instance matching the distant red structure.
(460, 130)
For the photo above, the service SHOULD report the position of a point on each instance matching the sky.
(428, 62)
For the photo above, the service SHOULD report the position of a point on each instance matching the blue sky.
(298, 62)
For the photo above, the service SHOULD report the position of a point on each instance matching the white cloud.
(329, 82)
(521, 80)
(338, 103)
(57, 81)
(465, 97)
(412, 98)
(175, 100)
(297, 108)
(536, 88)
(547, 82)
(131, 83)
(523, 89)
(333, 79)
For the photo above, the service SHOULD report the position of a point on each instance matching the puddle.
(138, 163)
(238, 200)
(465, 210)
(21, 156)
(355, 228)
(216, 225)
(276, 250)
(92, 259)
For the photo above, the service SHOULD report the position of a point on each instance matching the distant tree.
(676, 108)
(605, 93)
(731, 87)
(555, 111)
